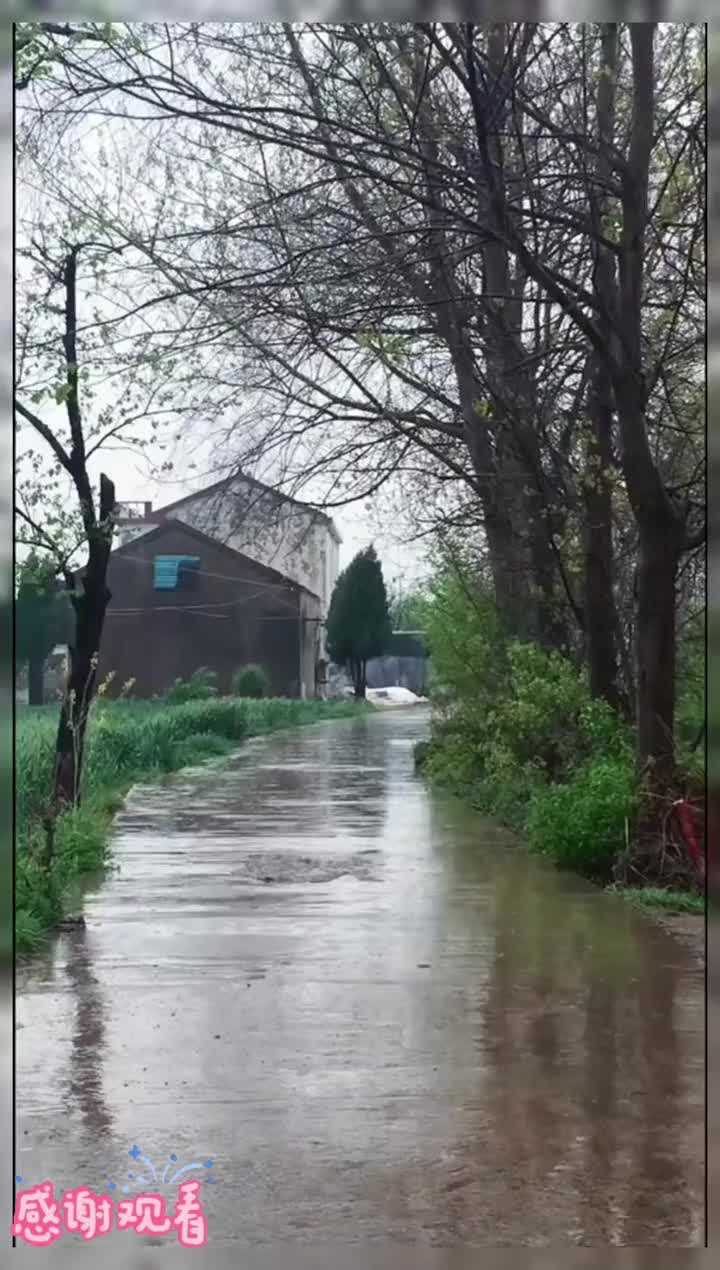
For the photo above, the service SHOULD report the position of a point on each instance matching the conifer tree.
(358, 625)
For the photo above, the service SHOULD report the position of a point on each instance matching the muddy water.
(380, 1020)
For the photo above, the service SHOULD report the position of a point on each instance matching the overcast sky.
(359, 525)
(135, 473)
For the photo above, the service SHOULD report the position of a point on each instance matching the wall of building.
(285, 536)
(278, 534)
(233, 613)
(281, 535)
(311, 631)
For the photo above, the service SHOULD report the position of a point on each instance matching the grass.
(654, 897)
(126, 741)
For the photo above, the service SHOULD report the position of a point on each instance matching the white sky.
(135, 479)
(358, 525)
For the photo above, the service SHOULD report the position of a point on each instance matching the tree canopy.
(461, 260)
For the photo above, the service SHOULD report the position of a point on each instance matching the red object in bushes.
(687, 817)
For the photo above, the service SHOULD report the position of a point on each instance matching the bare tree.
(90, 596)
(439, 241)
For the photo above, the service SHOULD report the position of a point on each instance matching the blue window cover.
(167, 570)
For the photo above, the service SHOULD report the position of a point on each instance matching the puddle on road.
(288, 867)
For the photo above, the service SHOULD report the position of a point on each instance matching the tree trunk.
(659, 553)
(90, 608)
(661, 531)
(520, 493)
(510, 576)
(600, 608)
(90, 611)
(36, 681)
(552, 625)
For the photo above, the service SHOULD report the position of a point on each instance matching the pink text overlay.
(38, 1218)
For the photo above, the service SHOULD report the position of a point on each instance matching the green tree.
(358, 625)
(407, 612)
(42, 620)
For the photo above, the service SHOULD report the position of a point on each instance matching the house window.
(175, 573)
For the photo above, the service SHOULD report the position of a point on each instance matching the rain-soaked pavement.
(380, 1020)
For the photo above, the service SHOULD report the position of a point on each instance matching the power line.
(201, 611)
(226, 577)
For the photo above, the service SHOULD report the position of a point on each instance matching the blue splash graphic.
(136, 1153)
(139, 1179)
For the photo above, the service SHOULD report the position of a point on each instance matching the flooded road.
(379, 1020)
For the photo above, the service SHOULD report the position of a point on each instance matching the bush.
(251, 681)
(517, 732)
(201, 685)
(581, 825)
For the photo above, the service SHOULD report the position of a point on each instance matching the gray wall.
(404, 672)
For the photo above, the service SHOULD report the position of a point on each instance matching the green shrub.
(655, 897)
(201, 685)
(251, 681)
(516, 731)
(581, 824)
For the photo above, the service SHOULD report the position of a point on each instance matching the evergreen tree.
(42, 618)
(358, 625)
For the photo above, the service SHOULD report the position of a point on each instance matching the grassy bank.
(655, 899)
(127, 741)
(518, 734)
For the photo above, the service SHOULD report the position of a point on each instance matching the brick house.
(277, 531)
(182, 600)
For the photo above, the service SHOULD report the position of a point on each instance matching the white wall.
(285, 538)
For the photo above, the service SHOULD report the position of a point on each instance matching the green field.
(126, 741)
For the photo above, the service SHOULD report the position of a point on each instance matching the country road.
(378, 1018)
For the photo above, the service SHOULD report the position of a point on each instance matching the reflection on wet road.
(379, 1019)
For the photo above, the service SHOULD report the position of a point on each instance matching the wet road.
(379, 1020)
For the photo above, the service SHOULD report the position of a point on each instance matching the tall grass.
(125, 740)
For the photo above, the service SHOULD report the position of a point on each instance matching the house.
(271, 528)
(182, 600)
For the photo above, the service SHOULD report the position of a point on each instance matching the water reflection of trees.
(583, 1114)
(85, 1079)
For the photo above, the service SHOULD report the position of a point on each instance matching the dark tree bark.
(90, 606)
(600, 607)
(661, 532)
(358, 673)
(659, 554)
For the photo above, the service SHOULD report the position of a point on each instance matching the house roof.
(151, 535)
(227, 483)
